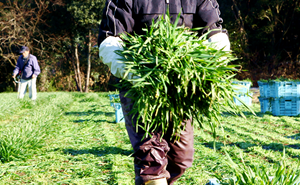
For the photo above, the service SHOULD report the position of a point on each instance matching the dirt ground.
(256, 94)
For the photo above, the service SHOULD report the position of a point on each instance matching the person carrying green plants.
(157, 159)
(28, 69)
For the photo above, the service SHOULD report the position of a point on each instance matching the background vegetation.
(264, 34)
(62, 34)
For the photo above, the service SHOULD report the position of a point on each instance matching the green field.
(72, 138)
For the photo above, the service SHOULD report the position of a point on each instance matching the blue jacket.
(32, 67)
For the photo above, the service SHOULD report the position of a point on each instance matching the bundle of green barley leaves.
(180, 76)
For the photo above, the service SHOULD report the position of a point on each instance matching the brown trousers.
(158, 157)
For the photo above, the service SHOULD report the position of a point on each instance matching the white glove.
(219, 41)
(108, 56)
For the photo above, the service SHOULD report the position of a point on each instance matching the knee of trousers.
(151, 160)
(182, 151)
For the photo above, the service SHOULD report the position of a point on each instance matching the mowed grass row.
(72, 138)
(79, 142)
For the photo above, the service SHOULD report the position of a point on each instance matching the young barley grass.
(260, 174)
(27, 129)
(180, 76)
(18, 142)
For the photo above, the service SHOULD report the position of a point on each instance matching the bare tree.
(88, 63)
(77, 68)
(19, 24)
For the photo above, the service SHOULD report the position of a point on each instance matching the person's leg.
(22, 88)
(150, 155)
(180, 156)
(32, 88)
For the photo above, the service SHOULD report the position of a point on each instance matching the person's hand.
(14, 76)
(33, 76)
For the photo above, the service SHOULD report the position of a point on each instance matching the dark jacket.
(32, 67)
(132, 15)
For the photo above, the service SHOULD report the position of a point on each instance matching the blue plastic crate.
(213, 182)
(275, 89)
(284, 106)
(287, 106)
(265, 104)
(241, 87)
(118, 112)
(266, 90)
(245, 98)
(112, 97)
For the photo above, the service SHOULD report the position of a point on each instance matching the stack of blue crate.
(117, 106)
(243, 92)
(280, 97)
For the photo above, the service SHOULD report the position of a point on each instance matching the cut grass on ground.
(72, 138)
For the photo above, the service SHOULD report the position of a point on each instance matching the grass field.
(72, 138)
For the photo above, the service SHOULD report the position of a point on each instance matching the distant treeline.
(264, 35)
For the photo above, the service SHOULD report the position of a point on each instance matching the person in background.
(156, 160)
(28, 69)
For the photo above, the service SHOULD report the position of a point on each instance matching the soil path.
(256, 94)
